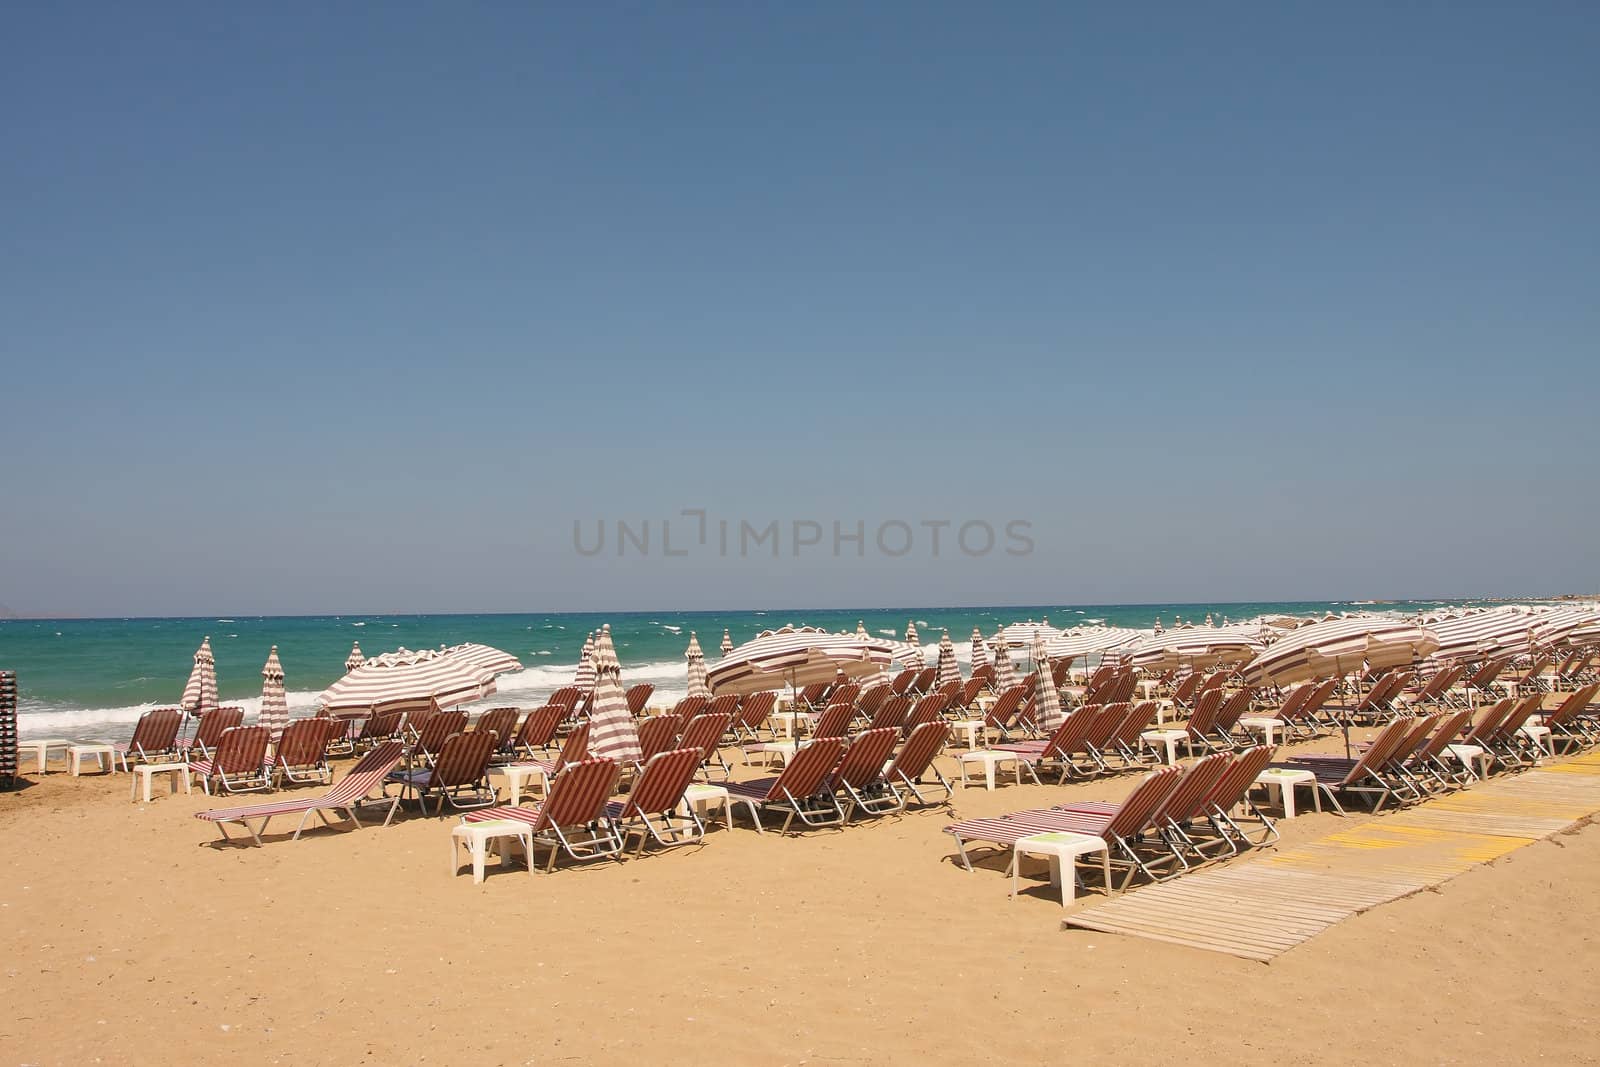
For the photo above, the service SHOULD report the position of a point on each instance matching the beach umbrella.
(486, 660)
(949, 670)
(200, 693)
(980, 650)
(727, 642)
(1196, 647)
(796, 657)
(1005, 675)
(908, 656)
(697, 668)
(1557, 625)
(911, 633)
(584, 679)
(405, 680)
(1333, 648)
(1089, 640)
(1046, 701)
(274, 714)
(611, 730)
(354, 659)
(1024, 634)
(877, 677)
(1482, 634)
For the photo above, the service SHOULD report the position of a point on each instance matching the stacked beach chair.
(8, 729)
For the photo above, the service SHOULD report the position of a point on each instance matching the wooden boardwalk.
(1262, 908)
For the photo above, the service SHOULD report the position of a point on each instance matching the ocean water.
(83, 678)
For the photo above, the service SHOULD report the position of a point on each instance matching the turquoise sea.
(93, 677)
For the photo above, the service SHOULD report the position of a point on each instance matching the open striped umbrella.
(1087, 640)
(1335, 647)
(980, 650)
(1005, 675)
(697, 668)
(911, 633)
(1556, 625)
(486, 660)
(404, 680)
(585, 677)
(797, 656)
(1482, 634)
(1024, 634)
(611, 730)
(200, 693)
(1046, 701)
(274, 714)
(949, 669)
(727, 642)
(1198, 647)
(354, 659)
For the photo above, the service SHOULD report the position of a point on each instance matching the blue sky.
(348, 307)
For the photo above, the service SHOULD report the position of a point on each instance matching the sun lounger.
(915, 759)
(237, 763)
(459, 774)
(705, 732)
(154, 740)
(637, 697)
(209, 729)
(651, 808)
(862, 773)
(503, 723)
(573, 818)
(800, 791)
(538, 731)
(301, 755)
(346, 797)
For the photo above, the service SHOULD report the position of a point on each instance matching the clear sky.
(348, 307)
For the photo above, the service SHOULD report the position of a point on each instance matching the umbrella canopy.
(1482, 634)
(911, 633)
(274, 713)
(200, 693)
(908, 656)
(403, 680)
(1197, 647)
(611, 730)
(1005, 675)
(1023, 634)
(697, 668)
(949, 670)
(584, 679)
(1336, 647)
(1558, 625)
(1087, 640)
(797, 657)
(727, 642)
(486, 660)
(355, 658)
(1046, 701)
(980, 650)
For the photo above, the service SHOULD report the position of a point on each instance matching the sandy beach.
(131, 936)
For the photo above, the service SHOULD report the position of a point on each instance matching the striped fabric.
(200, 694)
(908, 656)
(1046, 701)
(1024, 634)
(1009, 829)
(486, 660)
(362, 779)
(1088, 640)
(355, 659)
(1336, 647)
(911, 633)
(1558, 625)
(727, 642)
(405, 681)
(949, 670)
(697, 668)
(980, 650)
(1482, 634)
(612, 734)
(274, 713)
(797, 657)
(1005, 675)
(1200, 647)
(585, 677)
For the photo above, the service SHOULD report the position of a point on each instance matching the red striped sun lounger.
(346, 797)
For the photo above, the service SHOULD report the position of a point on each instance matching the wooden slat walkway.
(1260, 909)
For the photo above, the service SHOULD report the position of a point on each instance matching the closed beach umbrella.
(1335, 647)
(949, 670)
(200, 693)
(354, 659)
(796, 657)
(697, 668)
(727, 642)
(486, 660)
(409, 681)
(1046, 701)
(274, 704)
(911, 633)
(980, 650)
(584, 679)
(611, 730)
(1005, 675)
